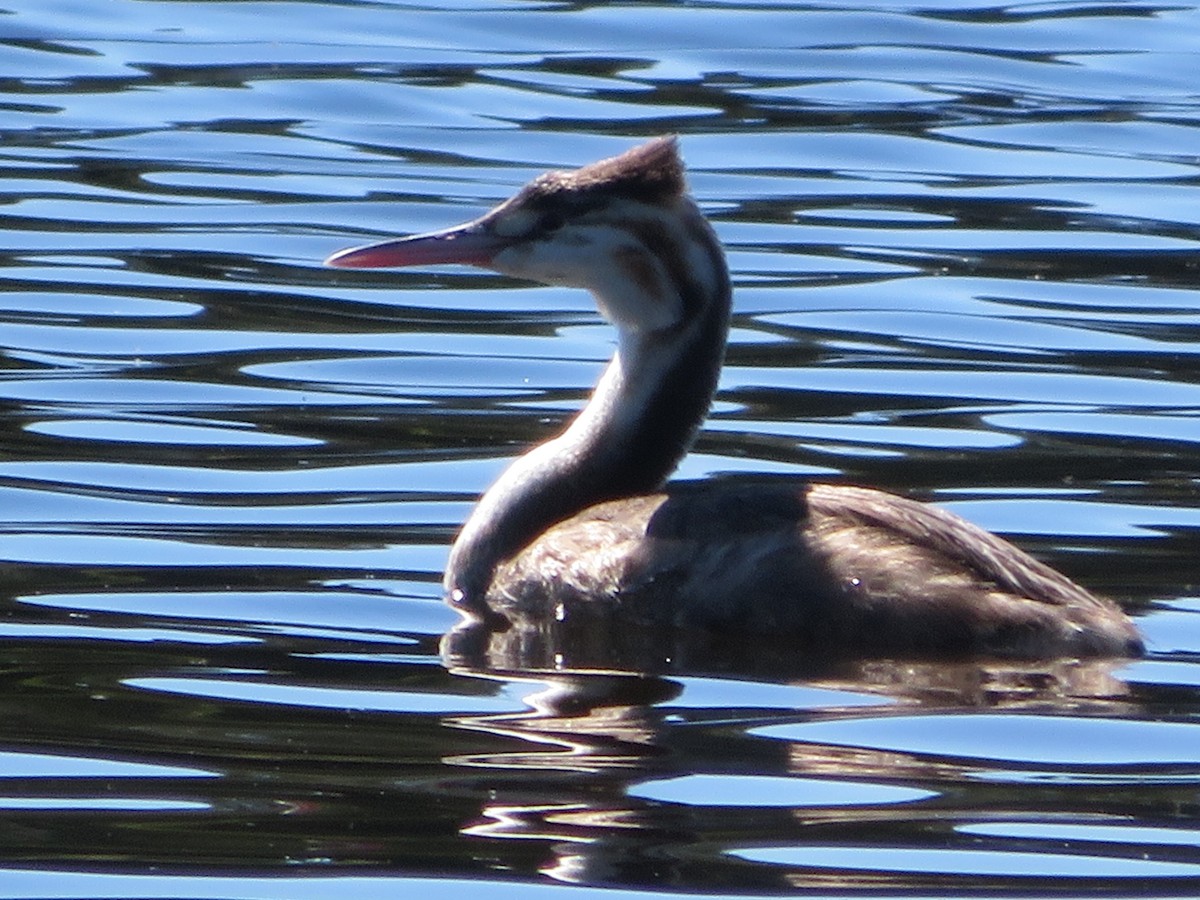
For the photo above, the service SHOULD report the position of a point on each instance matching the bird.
(585, 525)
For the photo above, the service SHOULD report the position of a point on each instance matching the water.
(966, 247)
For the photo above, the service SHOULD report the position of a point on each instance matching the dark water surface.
(966, 246)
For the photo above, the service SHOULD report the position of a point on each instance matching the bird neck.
(637, 426)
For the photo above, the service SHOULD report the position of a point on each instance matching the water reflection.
(524, 647)
(619, 779)
(583, 723)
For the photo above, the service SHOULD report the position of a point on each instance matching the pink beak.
(467, 244)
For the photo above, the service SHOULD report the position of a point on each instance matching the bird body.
(582, 526)
(831, 566)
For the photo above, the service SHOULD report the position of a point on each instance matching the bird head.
(622, 228)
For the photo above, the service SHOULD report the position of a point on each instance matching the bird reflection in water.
(588, 739)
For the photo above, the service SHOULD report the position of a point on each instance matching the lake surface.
(965, 240)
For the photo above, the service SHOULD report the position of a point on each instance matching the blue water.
(965, 240)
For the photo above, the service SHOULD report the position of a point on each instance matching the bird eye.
(551, 222)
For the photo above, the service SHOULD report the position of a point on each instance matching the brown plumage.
(580, 527)
(828, 565)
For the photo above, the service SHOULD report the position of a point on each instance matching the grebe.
(582, 526)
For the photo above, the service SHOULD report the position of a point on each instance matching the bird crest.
(651, 172)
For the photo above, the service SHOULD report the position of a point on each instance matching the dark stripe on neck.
(673, 412)
(641, 458)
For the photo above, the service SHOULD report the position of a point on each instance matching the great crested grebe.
(582, 523)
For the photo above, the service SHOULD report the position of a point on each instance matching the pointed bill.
(467, 244)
